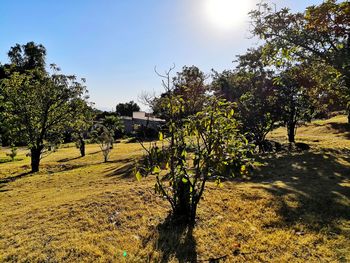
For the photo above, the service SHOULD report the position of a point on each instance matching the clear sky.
(115, 44)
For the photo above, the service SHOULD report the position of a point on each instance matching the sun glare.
(227, 14)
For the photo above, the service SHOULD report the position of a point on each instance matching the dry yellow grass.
(296, 209)
(331, 133)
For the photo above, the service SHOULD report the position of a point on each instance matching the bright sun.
(227, 14)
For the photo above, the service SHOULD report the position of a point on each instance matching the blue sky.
(115, 44)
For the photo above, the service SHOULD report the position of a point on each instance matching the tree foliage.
(252, 88)
(126, 109)
(205, 146)
(104, 137)
(296, 104)
(38, 105)
(321, 33)
(82, 124)
(189, 84)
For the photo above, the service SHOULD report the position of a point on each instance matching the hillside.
(295, 208)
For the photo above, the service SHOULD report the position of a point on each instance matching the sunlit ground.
(296, 209)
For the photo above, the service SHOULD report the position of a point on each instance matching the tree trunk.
(291, 131)
(82, 147)
(347, 84)
(35, 158)
(183, 207)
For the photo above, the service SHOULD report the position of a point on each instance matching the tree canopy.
(38, 105)
(126, 109)
(321, 33)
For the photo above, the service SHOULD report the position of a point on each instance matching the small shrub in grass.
(13, 153)
(104, 138)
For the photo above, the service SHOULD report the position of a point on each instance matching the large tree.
(296, 104)
(190, 87)
(27, 57)
(126, 109)
(252, 88)
(39, 106)
(321, 33)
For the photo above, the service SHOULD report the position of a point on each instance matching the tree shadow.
(68, 159)
(2, 185)
(92, 153)
(341, 128)
(126, 170)
(5, 181)
(176, 239)
(311, 188)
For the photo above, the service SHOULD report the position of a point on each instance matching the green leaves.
(202, 147)
(156, 170)
(138, 176)
(40, 105)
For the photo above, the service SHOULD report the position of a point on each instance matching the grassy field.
(295, 208)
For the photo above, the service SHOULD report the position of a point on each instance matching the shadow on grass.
(2, 185)
(310, 188)
(341, 128)
(8, 160)
(176, 240)
(14, 178)
(68, 159)
(126, 170)
(94, 152)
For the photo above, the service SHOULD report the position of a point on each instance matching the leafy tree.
(13, 153)
(206, 146)
(321, 33)
(3, 129)
(39, 106)
(104, 138)
(320, 83)
(294, 99)
(82, 124)
(251, 87)
(22, 57)
(27, 57)
(113, 124)
(189, 84)
(126, 109)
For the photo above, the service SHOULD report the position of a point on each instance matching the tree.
(202, 147)
(104, 138)
(27, 57)
(113, 124)
(82, 123)
(294, 99)
(251, 87)
(38, 107)
(321, 33)
(22, 57)
(126, 109)
(189, 84)
(320, 83)
(13, 153)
